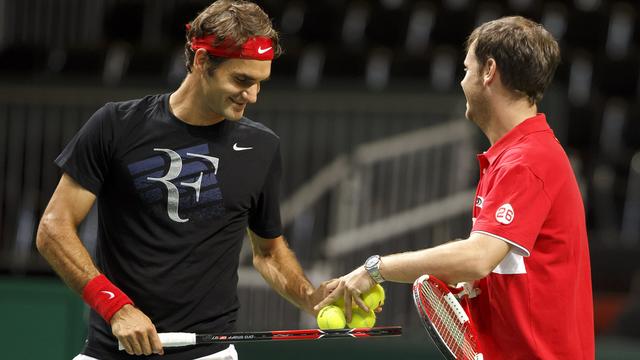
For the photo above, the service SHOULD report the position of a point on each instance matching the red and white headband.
(255, 48)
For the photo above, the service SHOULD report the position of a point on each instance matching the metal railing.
(403, 192)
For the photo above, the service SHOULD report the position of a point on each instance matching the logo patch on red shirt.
(505, 214)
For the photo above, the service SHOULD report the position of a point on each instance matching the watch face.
(372, 261)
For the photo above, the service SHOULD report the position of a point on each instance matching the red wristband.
(104, 297)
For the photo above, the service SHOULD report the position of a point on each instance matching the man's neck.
(187, 104)
(506, 115)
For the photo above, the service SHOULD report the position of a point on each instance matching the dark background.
(354, 73)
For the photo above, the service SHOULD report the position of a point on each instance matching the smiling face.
(473, 88)
(232, 85)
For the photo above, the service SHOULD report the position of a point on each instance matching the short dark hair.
(526, 54)
(237, 20)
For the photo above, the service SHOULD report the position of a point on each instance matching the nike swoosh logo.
(262, 51)
(109, 293)
(240, 148)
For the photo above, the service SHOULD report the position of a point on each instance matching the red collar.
(533, 124)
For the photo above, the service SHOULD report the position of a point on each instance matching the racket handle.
(172, 339)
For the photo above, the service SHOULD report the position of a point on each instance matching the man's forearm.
(452, 262)
(66, 254)
(283, 272)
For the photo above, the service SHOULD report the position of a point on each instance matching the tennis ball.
(330, 318)
(362, 319)
(340, 303)
(374, 298)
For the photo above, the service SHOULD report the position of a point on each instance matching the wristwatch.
(372, 265)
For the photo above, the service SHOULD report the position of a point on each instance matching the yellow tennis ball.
(374, 298)
(340, 303)
(362, 319)
(330, 318)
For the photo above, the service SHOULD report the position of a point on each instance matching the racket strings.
(453, 332)
(445, 319)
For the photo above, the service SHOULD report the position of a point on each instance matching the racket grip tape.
(172, 339)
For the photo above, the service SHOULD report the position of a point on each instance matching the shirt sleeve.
(264, 216)
(86, 157)
(515, 208)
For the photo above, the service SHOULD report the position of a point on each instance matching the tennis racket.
(175, 339)
(445, 319)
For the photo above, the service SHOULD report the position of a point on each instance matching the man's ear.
(201, 60)
(489, 73)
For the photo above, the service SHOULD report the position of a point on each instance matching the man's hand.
(321, 293)
(349, 287)
(136, 332)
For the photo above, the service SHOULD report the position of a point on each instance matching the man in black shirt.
(178, 178)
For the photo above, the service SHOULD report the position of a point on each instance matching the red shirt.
(537, 303)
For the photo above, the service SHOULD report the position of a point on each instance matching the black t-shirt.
(174, 201)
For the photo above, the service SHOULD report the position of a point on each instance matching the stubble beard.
(477, 111)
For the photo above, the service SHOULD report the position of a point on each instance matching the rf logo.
(175, 170)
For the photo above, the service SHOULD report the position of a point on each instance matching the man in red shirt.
(527, 252)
